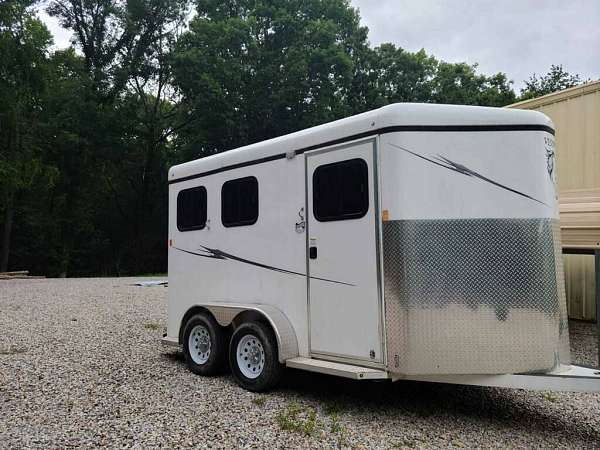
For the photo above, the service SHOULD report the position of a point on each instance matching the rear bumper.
(169, 341)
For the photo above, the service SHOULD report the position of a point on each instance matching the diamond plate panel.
(564, 348)
(224, 314)
(473, 296)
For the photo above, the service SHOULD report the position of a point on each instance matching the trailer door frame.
(326, 281)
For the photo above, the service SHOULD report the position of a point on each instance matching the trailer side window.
(191, 209)
(341, 190)
(239, 202)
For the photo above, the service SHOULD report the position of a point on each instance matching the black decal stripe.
(459, 168)
(218, 254)
(205, 255)
(466, 171)
(384, 130)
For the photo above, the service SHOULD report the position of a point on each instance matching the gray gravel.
(81, 365)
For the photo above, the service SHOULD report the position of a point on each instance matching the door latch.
(312, 252)
(300, 226)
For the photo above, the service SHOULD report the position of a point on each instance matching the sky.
(517, 37)
(62, 37)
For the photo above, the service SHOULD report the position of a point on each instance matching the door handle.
(312, 252)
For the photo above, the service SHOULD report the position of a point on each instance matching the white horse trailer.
(411, 242)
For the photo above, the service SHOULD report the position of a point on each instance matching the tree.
(402, 76)
(391, 74)
(249, 70)
(122, 135)
(459, 83)
(24, 43)
(555, 80)
(116, 36)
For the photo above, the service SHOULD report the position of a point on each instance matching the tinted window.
(341, 190)
(191, 209)
(239, 202)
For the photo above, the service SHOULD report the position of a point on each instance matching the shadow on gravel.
(174, 357)
(502, 407)
(434, 404)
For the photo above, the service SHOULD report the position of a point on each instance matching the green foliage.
(87, 134)
(264, 69)
(555, 80)
(460, 84)
(118, 38)
(396, 75)
(106, 124)
(24, 43)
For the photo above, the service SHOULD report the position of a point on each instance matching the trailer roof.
(394, 117)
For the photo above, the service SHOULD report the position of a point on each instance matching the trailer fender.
(287, 343)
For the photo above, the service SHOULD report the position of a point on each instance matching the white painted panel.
(495, 175)
(344, 318)
(271, 242)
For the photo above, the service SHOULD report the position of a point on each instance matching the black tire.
(218, 346)
(271, 370)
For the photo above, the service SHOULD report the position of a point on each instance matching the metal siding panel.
(565, 162)
(574, 286)
(580, 286)
(577, 151)
(474, 296)
(592, 138)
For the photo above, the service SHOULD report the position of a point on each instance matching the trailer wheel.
(253, 357)
(204, 345)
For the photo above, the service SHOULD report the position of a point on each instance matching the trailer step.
(338, 369)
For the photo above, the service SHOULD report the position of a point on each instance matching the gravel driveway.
(81, 365)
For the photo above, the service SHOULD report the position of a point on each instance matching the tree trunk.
(8, 221)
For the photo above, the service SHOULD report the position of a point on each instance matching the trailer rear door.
(344, 297)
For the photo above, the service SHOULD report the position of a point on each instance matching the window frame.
(357, 215)
(205, 198)
(241, 223)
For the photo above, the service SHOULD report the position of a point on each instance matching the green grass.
(334, 425)
(297, 419)
(259, 401)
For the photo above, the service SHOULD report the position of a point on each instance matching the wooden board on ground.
(18, 275)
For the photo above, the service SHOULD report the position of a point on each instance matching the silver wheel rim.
(199, 344)
(250, 356)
